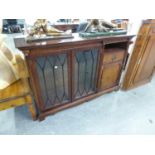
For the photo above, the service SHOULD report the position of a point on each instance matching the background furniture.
(121, 23)
(19, 92)
(67, 72)
(141, 66)
(13, 25)
(65, 27)
(82, 26)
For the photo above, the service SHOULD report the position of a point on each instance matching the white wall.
(134, 26)
(1, 25)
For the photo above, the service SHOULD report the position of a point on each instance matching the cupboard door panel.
(142, 62)
(110, 75)
(53, 79)
(85, 72)
(147, 65)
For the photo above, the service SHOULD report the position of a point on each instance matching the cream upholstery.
(8, 66)
(7, 51)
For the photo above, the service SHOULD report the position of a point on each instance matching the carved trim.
(26, 52)
(115, 40)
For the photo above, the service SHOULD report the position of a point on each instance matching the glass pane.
(53, 78)
(85, 72)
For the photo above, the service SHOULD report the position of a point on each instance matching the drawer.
(113, 55)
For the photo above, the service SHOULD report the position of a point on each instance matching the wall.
(1, 25)
(134, 26)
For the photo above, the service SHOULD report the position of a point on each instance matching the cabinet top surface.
(22, 44)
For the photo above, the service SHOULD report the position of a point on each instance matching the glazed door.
(53, 76)
(85, 71)
(110, 75)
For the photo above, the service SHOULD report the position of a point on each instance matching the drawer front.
(113, 55)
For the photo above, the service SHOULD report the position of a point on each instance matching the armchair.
(18, 92)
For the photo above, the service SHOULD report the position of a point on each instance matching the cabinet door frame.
(76, 50)
(136, 60)
(143, 60)
(123, 62)
(34, 79)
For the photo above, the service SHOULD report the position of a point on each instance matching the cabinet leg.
(117, 88)
(31, 107)
(41, 118)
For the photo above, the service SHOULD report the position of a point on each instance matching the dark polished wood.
(68, 72)
(75, 103)
(22, 44)
(110, 75)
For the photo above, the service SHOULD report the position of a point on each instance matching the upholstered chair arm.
(21, 66)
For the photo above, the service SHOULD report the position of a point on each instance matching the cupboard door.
(147, 63)
(53, 79)
(85, 72)
(110, 75)
(142, 62)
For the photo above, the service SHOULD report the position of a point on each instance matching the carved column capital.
(26, 52)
